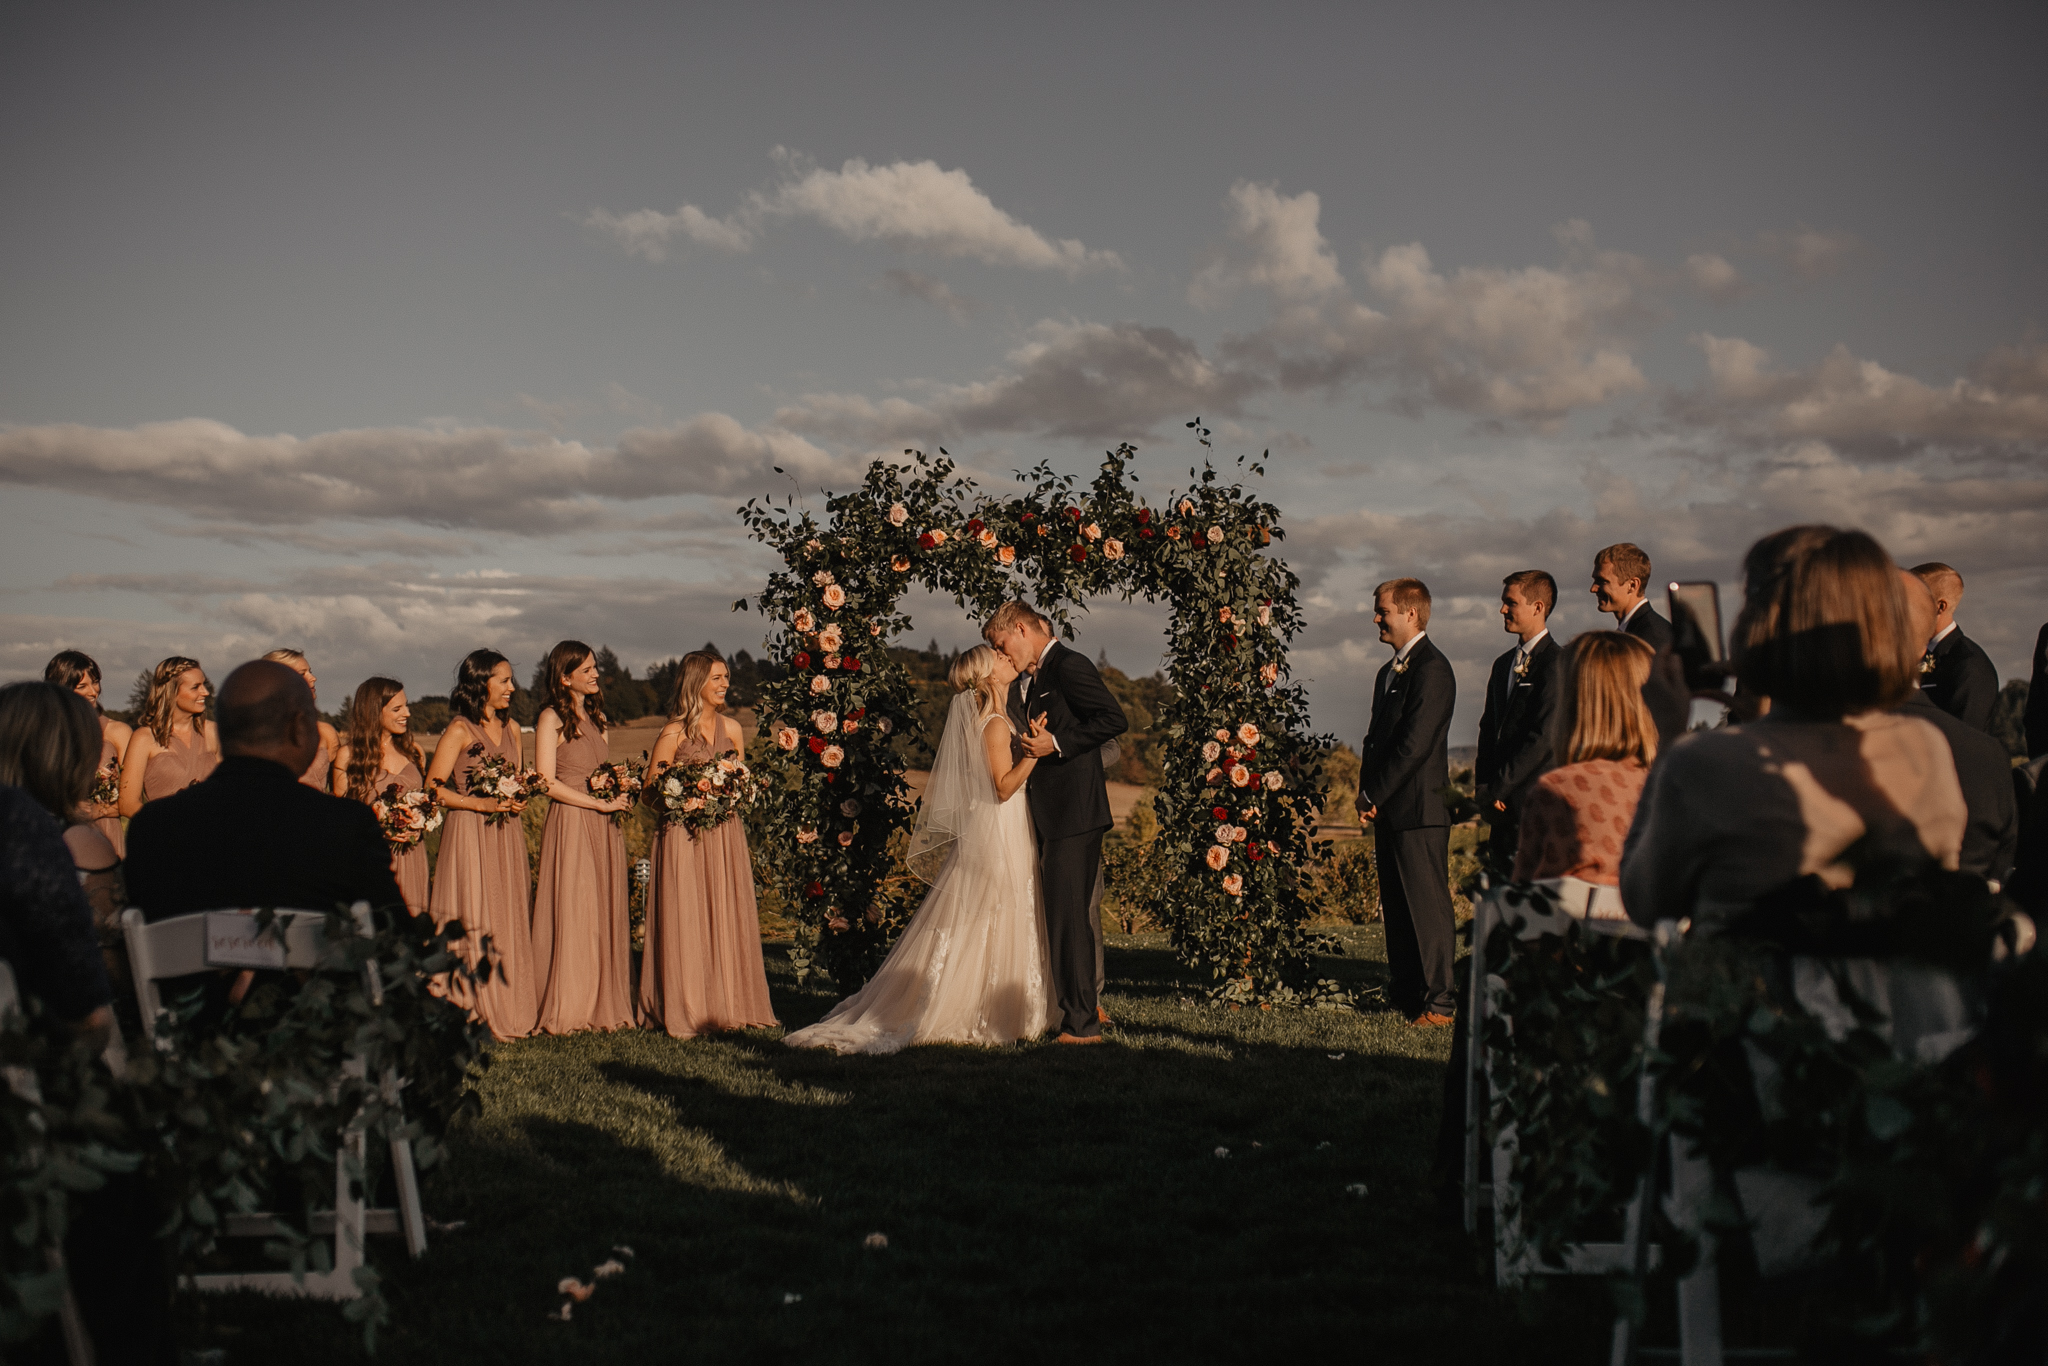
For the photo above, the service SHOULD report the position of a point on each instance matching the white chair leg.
(1507, 1220)
(1699, 1291)
(349, 1232)
(411, 1217)
(1475, 1013)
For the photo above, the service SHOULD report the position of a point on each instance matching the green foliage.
(430, 715)
(243, 1112)
(1345, 882)
(837, 795)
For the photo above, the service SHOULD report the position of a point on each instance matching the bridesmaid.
(175, 745)
(80, 673)
(702, 969)
(319, 773)
(378, 754)
(582, 939)
(480, 874)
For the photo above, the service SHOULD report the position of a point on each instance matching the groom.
(1069, 799)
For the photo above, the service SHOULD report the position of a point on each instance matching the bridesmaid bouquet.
(106, 784)
(406, 817)
(707, 795)
(497, 776)
(621, 778)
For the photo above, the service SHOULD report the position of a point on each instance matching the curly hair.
(563, 660)
(366, 737)
(160, 711)
(688, 704)
(472, 686)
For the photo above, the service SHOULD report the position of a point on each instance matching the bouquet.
(616, 778)
(406, 817)
(106, 784)
(497, 776)
(705, 796)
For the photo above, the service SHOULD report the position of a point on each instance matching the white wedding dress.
(972, 966)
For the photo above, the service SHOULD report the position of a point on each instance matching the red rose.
(1253, 853)
(925, 542)
(1074, 513)
(830, 776)
(1144, 516)
(803, 659)
(1222, 813)
(1227, 763)
(974, 525)
(1145, 532)
(815, 889)
(858, 712)
(852, 665)
(1233, 642)
(1079, 552)
(817, 744)
(1030, 517)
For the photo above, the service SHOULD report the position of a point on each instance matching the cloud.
(1274, 244)
(1811, 253)
(1714, 278)
(911, 285)
(912, 205)
(481, 478)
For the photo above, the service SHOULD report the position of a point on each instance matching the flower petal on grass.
(1223, 1152)
(875, 1241)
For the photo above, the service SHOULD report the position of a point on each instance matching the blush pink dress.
(701, 970)
(318, 772)
(110, 826)
(178, 765)
(408, 865)
(582, 938)
(480, 878)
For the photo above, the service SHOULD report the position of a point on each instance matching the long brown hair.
(688, 704)
(564, 659)
(1824, 628)
(472, 687)
(366, 737)
(68, 668)
(1604, 715)
(160, 711)
(49, 745)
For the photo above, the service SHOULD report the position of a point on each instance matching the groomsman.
(1991, 839)
(1621, 578)
(1521, 703)
(1955, 673)
(1404, 768)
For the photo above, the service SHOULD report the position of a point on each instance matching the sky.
(387, 332)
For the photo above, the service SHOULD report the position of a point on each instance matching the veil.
(959, 794)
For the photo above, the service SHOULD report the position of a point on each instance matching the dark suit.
(1985, 770)
(253, 835)
(1964, 681)
(2037, 699)
(1403, 769)
(1515, 742)
(1669, 700)
(1070, 809)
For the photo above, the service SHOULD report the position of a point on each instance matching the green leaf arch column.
(1241, 786)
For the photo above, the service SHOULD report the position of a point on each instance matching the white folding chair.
(1551, 907)
(22, 1081)
(210, 940)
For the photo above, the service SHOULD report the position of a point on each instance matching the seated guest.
(50, 748)
(1830, 780)
(1577, 817)
(252, 834)
(1621, 579)
(1955, 673)
(1982, 765)
(1515, 746)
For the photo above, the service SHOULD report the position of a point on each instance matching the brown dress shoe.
(1101, 1015)
(1429, 1019)
(1076, 1038)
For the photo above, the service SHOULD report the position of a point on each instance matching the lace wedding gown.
(972, 967)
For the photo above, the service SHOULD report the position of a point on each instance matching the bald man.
(1955, 673)
(1990, 840)
(253, 835)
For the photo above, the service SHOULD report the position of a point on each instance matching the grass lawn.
(1039, 1201)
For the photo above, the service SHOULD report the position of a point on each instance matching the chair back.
(211, 940)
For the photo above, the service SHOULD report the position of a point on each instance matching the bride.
(972, 967)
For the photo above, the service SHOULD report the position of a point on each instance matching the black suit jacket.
(1666, 695)
(253, 835)
(1964, 681)
(1066, 791)
(1404, 765)
(2037, 699)
(1991, 839)
(1514, 730)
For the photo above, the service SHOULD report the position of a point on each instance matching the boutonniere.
(1927, 662)
(1521, 666)
(1401, 664)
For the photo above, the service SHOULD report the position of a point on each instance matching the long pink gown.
(480, 878)
(701, 970)
(318, 772)
(582, 937)
(178, 765)
(110, 826)
(408, 865)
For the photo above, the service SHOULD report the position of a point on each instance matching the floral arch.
(1237, 802)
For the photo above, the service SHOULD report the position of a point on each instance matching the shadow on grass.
(1036, 1199)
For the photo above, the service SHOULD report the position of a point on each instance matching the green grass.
(1039, 1201)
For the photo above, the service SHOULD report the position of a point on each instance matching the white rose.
(898, 514)
(821, 684)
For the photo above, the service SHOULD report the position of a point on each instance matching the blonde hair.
(688, 704)
(977, 670)
(284, 654)
(1628, 561)
(1012, 615)
(160, 709)
(1604, 715)
(1407, 595)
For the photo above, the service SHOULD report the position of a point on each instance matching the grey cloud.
(911, 285)
(1811, 253)
(1713, 277)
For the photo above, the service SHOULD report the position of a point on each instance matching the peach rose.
(849, 726)
(900, 563)
(1006, 554)
(1223, 614)
(826, 722)
(1173, 533)
(807, 835)
(1269, 674)
(1214, 774)
(1234, 885)
(1215, 535)
(1265, 614)
(1219, 855)
(786, 737)
(1211, 751)
(1223, 835)
(829, 638)
(1043, 530)
(835, 596)
(831, 661)
(1237, 834)
(1274, 780)
(833, 756)
(898, 514)
(814, 545)
(821, 684)
(1092, 532)
(803, 620)
(1112, 549)
(845, 839)
(1240, 776)
(822, 577)
(938, 535)
(1248, 734)
(884, 725)
(1187, 505)
(987, 539)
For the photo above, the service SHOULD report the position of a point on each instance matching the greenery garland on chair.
(1237, 804)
